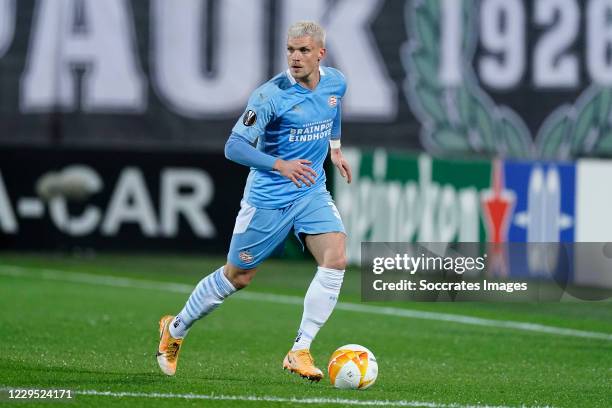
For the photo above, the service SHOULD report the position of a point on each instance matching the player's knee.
(240, 278)
(335, 261)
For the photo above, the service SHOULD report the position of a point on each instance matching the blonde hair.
(307, 28)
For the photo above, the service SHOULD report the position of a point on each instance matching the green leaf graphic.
(457, 119)
(586, 128)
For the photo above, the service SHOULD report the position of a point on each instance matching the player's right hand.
(297, 171)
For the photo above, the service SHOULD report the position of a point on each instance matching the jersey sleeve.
(239, 150)
(337, 124)
(258, 113)
(340, 81)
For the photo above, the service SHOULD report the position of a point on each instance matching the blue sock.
(206, 297)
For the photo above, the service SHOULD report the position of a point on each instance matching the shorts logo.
(332, 101)
(249, 118)
(245, 256)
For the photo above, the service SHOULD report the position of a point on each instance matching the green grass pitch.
(65, 323)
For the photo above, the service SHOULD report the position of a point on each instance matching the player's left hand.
(340, 162)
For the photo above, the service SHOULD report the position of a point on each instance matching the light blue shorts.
(259, 232)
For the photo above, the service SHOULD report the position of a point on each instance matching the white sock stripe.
(188, 309)
(226, 282)
(208, 287)
(223, 283)
(197, 296)
(208, 294)
(218, 285)
(216, 290)
(213, 287)
(209, 290)
(331, 271)
(193, 307)
(201, 288)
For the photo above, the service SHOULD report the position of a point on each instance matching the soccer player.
(292, 118)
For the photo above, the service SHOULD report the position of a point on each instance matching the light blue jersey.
(291, 122)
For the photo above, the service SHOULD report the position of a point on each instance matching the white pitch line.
(105, 280)
(264, 398)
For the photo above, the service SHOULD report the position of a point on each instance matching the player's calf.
(240, 278)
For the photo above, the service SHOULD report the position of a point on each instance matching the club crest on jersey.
(332, 101)
(249, 118)
(245, 256)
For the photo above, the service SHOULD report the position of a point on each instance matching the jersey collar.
(293, 81)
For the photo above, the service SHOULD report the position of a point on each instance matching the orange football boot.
(301, 362)
(169, 347)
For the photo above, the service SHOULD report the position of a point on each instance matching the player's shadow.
(65, 376)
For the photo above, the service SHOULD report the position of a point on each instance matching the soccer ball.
(352, 367)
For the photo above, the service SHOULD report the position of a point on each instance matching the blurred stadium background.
(476, 121)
